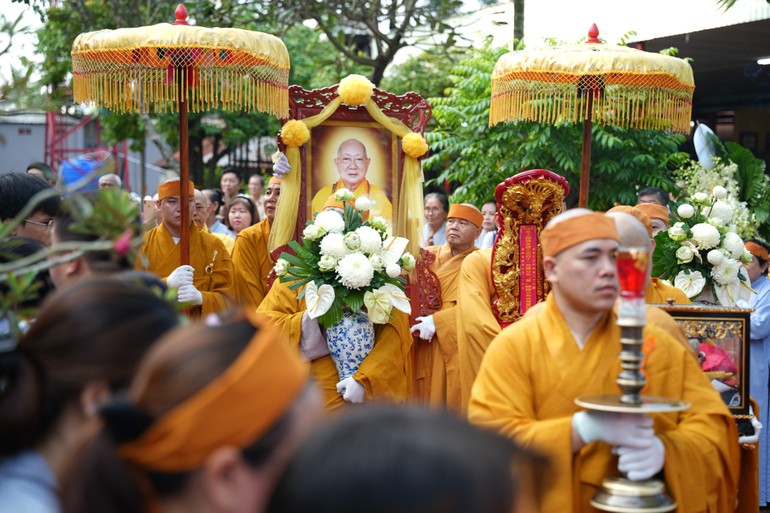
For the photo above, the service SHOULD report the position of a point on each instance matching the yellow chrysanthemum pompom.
(295, 133)
(355, 90)
(414, 145)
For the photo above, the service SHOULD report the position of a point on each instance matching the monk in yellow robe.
(382, 375)
(206, 284)
(535, 368)
(352, 164)
(477, 325)
(251, 256)
(435, 368)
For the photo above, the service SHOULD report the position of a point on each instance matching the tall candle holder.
(618, 493)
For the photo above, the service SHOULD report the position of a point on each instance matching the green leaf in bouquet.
(297, 262)
(333, 316)
(355, 300)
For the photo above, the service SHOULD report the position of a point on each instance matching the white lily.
(392, 249)
(318, 299)
(690, 282)
(398, 298)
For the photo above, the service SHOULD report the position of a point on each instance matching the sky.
(23, 45)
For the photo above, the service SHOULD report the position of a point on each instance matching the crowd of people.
(225, 397)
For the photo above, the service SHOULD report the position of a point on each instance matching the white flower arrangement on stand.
(346, 264)
(702, 250)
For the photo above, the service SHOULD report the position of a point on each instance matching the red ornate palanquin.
(525, 204)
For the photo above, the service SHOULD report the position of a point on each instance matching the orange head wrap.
(172, 188)
(467, 212)
(757, 250)
(557, 237)
(235, 409)
(637, 213)
(331, 202)
(654, 211)
(274, 180)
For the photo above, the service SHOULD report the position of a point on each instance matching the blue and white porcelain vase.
(350, 341)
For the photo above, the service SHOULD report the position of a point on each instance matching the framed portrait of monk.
(359, 156)
(720, 337)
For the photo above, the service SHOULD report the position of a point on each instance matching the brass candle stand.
(617, 493)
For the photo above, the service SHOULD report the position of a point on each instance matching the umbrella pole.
(184, 173)
(585, 163)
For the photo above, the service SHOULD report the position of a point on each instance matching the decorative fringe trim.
(238, 82)
(640, 101)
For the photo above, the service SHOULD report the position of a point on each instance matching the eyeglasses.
(47, 224)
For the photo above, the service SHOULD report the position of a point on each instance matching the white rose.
(327, 263)
(677, 233)
(700, 197)
(408, 262)
(705, 236)
(715, 257)
(311, 232)
(363, 204)
(333, 244)
(376, 261)
(330, 221)
(746, 257)
(685, 211)
(379, 223)
(393, 270)
(352, 240)
(684, 255)
(281, 267)
(343, 195)
(719, 192)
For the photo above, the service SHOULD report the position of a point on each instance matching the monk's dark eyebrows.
(593, 250)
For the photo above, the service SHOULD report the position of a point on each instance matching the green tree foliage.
(475, 157)
(425, 74)
(388, 24)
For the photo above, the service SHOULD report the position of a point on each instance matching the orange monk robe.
(381, 205)
(228, 241)
(477, 325)
(534, 370)
(252, 262)
(208, 256)
(659, 292)
(382, 373)
(435, 368)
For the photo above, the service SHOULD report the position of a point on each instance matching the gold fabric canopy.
(593, 81)
(136, 69)
(635, 89)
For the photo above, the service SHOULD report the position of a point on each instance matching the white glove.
(188, 294)
(752, 439)
(351, 390)
(281, 167)
(425, 326)
(643, 463)
(182, 275)
(627, 429)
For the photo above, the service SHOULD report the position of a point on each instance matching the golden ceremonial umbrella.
(178, 68)
(593, 81)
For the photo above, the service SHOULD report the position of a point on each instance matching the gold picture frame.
(727, 363)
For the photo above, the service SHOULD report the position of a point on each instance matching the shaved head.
(569, 214)
(632, 232)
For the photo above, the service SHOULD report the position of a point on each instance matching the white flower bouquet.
(346, 263)
(702, 249)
